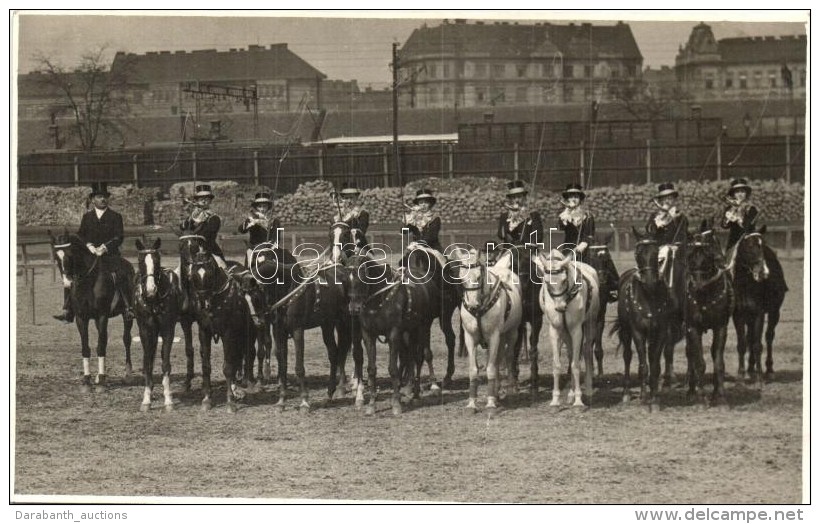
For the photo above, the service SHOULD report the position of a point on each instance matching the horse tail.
(616, 327)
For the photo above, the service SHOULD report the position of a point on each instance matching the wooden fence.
(284, 168)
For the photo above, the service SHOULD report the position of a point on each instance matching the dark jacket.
(360, 222)
(673, 232)
(208, 228)
(106, 230)
(522, 233)
(583, 232)
(428, 234)
(747, 214)
(259, 234)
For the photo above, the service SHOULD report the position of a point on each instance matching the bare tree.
(94, 95)
(645, 101)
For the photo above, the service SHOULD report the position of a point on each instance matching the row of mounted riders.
(675, 291)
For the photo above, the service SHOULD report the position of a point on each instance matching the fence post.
(31, 295)
(256, 168)
(25, 262)
(321, 159)
(617, 239)
(719, 156)
(582, 164)
(386, 166)
(450, 160)
(136, 171)
(788, 243)
(76, 171)
(648, 160)
(515, 161)
(193, 165)
(788, 159)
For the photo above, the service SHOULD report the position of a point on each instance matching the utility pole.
(396, 159)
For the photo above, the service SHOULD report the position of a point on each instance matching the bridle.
(157, 275)
(761, 261)
(63, 270)
(647, 269)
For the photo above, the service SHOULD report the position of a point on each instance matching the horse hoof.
(396, 409)
(492, 412)
(370, 410)
(206, 405)
(145, 408)
(447, 383)
(626, 398)
(502, 394)
(359, 404)
(169, 408)
(278, 408)
(187, 386)
(434, 387)
(654, 407)
(231, 408)
(128, 370)
(304, 408)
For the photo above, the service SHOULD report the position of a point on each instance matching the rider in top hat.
(577, 223)
(740, 215)
(668, 226)
(518, 225)
(349, 212)
(260, 223)
(422, 222)
(101, 231)
(203, 221)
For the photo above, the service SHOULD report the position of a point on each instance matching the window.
(497, 70)
(588, 71)
(568, 94)
(729, 81)
(521, 70)
(546, 70)
(758, 79)
(521, 95)
(772, 78)
(568, 72)
(743, 84)
(497, 95)
(445, 71)
(446, 97)
(431, 70)
(709, 81)
(615, 72)
(480, 71)
(481, 94)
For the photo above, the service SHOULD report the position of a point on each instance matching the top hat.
(99, 188)
(424, 194)
(203, 190)
(574, 190)
(516, 187)
(666, 189)
(349, 190)
(738, 185)
(263, 198)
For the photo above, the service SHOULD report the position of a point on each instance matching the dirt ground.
(70, 443)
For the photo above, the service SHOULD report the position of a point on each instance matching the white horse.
(570, 302)
(490, 315)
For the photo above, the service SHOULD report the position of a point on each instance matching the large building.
(460, 64)
(741, 68)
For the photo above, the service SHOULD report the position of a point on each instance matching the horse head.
(67, 250)
(558, 272)
(150, 268)
(751, 255)
(190, 244)
(701, 263)
(646, 258)
(362, 276)
(205, 278)
(341, 238)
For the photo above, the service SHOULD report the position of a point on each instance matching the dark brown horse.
(222, 314)
(601, 260)
(709, 304)
(157, 303)
(760, 288)
(93, 295)
(644, 314)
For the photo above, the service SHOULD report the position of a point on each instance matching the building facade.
(741, 68)
(461, 64)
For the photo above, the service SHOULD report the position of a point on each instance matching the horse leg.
(445, 322)
(463, 351)
(640, 348)
(396, 344)
(189, 352)
(718, 366)
(345, 341)
(167, 344)
(82, 327)
(472, 364)
(332, 357)
(555, 339)
(229, 352)
(280, 341)
(696, 366)
(358, 363)
(101, 323)
(370, 344)
(655, 350)
(576, 346)
(740, 328)
(598, 339)
(756, 334)
(299, 348)
(589, 366)
(127, 324)
(205, 357)
(148, 336)
(668, 353)
(626, 347)
(774, 318)
(266, 372)
(423, 353)
(535, 333)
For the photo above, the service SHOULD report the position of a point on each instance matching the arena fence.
(283, 168)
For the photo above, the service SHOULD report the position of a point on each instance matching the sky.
(346, 48)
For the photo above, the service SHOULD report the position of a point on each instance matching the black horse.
(601, 260)
(222, 314)
(400, 308)
(157, 304)
(709, 304)
(644, 314)
(760, 288)
(93, 295)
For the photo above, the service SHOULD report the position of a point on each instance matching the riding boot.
(123, 286)
(67, 315)
(612, 273)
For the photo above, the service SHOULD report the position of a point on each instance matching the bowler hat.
(574, 190)
(424, 194)
(739, 184)
(666, 189)
(516, 187)
(99, 188)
